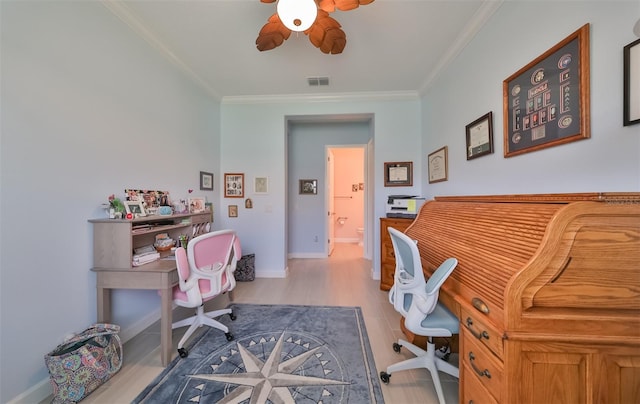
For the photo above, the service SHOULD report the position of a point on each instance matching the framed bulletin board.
(546, 103)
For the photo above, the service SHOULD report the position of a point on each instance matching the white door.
(331, 214)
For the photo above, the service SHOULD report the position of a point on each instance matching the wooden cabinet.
(387, 257)
(115, 239)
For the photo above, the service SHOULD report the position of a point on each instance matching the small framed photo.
(261, 185)
(233, 210)
(136, 208)
(632, 83)
(233, 185)
(308, 187)
(438, 165)
(398, 174)
(480, 136)
(196, 205)
(206, 181)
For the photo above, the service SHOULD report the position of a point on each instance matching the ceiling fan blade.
(346, 5)
(269, 41)
(327, 5)
(317, 31)
(334, 41)
(272, 34)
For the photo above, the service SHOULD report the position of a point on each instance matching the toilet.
(360, 231)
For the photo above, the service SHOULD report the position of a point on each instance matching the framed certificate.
(480, 136)
(438, 165)
(631, 61)
(398, 174)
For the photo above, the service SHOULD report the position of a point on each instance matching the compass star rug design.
(280, 354)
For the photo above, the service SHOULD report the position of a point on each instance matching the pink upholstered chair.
(205, 270)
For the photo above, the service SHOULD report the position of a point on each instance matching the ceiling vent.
(318, 81)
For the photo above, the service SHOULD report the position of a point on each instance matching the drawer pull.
(479, 335)
(480, 305)
(475, 369)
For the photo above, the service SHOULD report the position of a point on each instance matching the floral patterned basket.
(81, 364)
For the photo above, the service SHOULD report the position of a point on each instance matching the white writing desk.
(160, 275)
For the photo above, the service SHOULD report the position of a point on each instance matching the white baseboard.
(350, 240)
(307, 255)
(34, 394)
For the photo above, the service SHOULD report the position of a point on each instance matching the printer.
(406, 206)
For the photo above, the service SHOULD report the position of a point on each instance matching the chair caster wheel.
(232, 316)
(229, 336)
(384, 376)
(183, 352)
(396, 347)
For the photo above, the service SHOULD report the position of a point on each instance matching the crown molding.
(317, 98)
(479, 19)
(124, 13)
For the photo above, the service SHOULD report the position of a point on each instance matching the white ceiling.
(392, 45)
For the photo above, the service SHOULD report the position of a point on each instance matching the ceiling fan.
(310, 17)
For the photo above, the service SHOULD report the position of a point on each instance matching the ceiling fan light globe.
(297, 15)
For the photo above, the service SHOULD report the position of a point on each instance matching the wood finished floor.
(342, 280)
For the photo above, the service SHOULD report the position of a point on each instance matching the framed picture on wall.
(546, 103)
(308, 187)
(261, 185)
(631, 59)
(206, 181)
(438, 165)
(480, 136)
(398, 174)
(233, 185)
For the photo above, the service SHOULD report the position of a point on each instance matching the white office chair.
(424, 315)
(205, 270)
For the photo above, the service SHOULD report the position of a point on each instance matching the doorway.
(346, 197)
(307, 141)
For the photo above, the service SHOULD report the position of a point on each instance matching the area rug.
(279, 354)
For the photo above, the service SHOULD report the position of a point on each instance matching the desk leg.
(166, 345)
(104, 304)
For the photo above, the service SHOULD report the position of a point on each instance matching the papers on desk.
(145, 258)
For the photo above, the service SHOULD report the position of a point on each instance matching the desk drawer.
(480, 329)
(474, 392)
(482, 364)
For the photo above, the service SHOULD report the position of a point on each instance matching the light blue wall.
(257, 147)
(88, 109)
(518, 33)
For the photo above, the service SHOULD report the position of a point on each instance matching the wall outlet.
(315, 239)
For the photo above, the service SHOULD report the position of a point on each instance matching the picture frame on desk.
(196, 205)
(136, 208)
